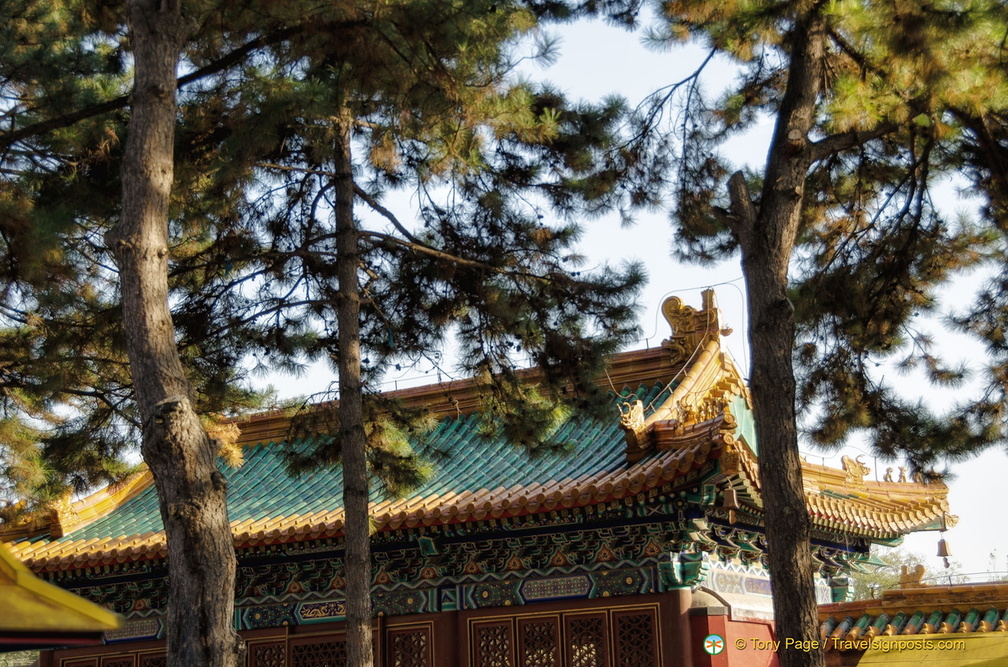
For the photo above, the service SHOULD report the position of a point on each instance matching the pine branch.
(448, 257)
(989, 145)
(360, 192)
(387, 214)
(219, 65)
(410, 242)
(835, 143)
(848, 49)
(58, 122)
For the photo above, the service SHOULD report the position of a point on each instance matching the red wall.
(747, 643)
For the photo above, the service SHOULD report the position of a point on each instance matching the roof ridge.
(459, 397)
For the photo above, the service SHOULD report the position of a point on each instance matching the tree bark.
(766, 254)
(182, 458)
(357, 527)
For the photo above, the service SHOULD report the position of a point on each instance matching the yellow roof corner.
(33, 605)
(707, 376)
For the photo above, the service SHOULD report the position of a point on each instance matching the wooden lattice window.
(493, 644)
(539, 642)
(118, 661)
(157, 660)
(325, 653)
(586, 639)
(84, 662)
(410, 648)
(636, 638)
(267, 655)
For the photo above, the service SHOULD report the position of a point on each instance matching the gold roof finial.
(691, 328)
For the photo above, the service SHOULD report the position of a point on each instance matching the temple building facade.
(629, 550)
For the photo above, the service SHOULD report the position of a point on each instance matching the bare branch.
(387, 214)
(448, 257)
(410, 241)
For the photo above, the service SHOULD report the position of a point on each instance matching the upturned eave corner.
(66, 515)
(884, 510)
(701, 388)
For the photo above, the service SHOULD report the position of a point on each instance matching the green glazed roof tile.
(261, 487)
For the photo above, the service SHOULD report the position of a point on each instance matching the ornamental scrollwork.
(691, 328)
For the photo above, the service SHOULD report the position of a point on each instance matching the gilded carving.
(725, 436)
(632, 415)
(691, 328)
(634, 428)
(64, 517)
(730, 459)
(323, 609)
(709, 408)
(855, 468)
(708, 382)
(911, 578)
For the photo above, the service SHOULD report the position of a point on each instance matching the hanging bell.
(944, 552)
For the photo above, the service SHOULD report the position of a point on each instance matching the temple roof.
(682, 407)
(920, 610)
(37, 613)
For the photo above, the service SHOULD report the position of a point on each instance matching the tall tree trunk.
(767, 241)
(357, 528)
(182, 458)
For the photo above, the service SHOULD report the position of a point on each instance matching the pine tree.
(65, 81)
(257, 192)
(182, 457)
(482, 262)
(840, 241)
(986, 152)
(45, 296)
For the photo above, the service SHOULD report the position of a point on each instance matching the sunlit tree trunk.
(767, 235)
(182, 458)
